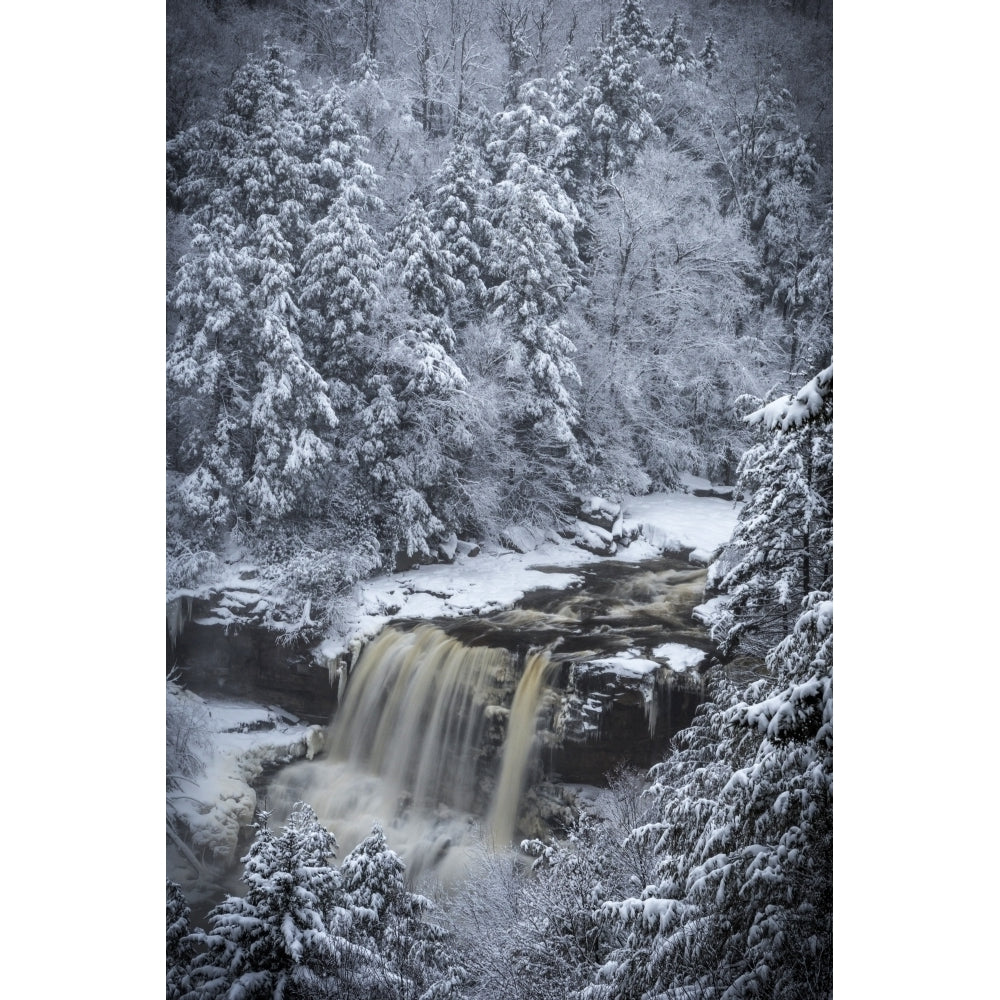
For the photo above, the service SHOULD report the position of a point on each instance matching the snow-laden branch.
(792, 411)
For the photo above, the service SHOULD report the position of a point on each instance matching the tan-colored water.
(517, 747)
(413, 744)
(406, 748)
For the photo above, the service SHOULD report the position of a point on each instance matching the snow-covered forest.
(442, 273)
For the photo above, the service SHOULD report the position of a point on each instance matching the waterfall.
(517, 747)
(408, 744)
(414, 713)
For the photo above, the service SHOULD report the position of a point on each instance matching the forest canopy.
(440, 267)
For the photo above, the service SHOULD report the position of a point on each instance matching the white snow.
(791, 411)
(243, 738)
(215, 805)
(709, 612)
(679, 656)
(624, 665)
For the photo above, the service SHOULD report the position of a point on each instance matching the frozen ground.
(235, 742)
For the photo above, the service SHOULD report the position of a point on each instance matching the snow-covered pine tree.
(673, 50)
(528, 128)
(291, 415)
(709, 55)
(573, 161)
(413, 958)
(426, 267)
(457, 214)
(741, 905)
(335, 153)
(615, 106)
(288, 936)
(633, 27)
(782, 547)
(338, 289)
(535, 265)
(253, 415)
(380, 318)
(180, 950)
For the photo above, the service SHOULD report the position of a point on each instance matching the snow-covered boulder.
(600, 526)
(599, 511)
(594, 539)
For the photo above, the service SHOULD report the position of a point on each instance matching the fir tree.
(339, 293)
(615, 106)
(426, 267)
(180, 951)
(528, 128)
(673, 50)
(633, 27)
(457, 214)
(709, 55)
(742, 901)
(254, 416)
(781, 549)
(536, 267)
(287, 937)
(393, 923)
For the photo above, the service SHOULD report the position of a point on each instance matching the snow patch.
(712, 610)
(678, 656)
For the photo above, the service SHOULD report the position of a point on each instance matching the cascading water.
(517, 747)
(438, 724)
(411, 747)
(414, 714)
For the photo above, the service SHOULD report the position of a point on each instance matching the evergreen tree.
(392, 923)
(633, 27)
(180, 951)
(709, 55)
(457, 214)
(674, 50)
(615, 106)
(528, 128)
(253, 415)
(288, 936)
(536, 268)
(339, 294)
(782, 546)
(741, 905)
(742, 902)
(426, 267)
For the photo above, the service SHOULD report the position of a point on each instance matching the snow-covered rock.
(212, 805)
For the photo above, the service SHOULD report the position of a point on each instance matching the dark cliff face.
(626, 723)
(248, 662)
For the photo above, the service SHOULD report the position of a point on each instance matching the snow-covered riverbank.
(496, 578)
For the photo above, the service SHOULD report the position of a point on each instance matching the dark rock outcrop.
(248, 661)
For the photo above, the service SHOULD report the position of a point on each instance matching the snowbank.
(235, 742)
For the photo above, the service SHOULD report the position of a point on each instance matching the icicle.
(178, 615)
